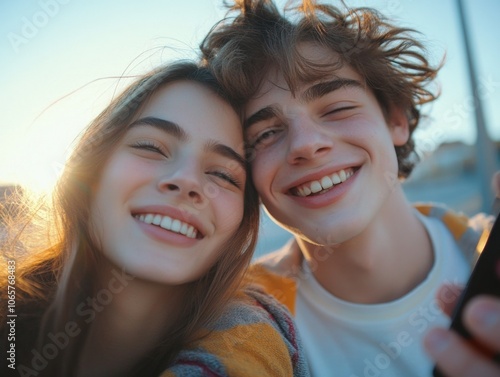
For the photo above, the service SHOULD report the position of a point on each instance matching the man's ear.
(398, 126)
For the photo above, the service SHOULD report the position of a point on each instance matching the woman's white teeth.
(176, 226)
(168, 223)
(184, 229)
(325, 183)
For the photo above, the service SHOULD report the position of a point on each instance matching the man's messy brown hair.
(242, 49)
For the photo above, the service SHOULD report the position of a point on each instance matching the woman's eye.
(226, 177)
(150, 146)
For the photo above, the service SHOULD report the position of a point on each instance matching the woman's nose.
(185, 180)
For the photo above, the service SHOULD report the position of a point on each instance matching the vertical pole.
(485, 150)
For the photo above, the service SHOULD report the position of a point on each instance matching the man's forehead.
(313, 56)
(275, 82)
(318, 54)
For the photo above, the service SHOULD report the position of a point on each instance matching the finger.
(447, 297)
(482, 319)
(457, 358)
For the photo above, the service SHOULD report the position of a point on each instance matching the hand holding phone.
(485, 279)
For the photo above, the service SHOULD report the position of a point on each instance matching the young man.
(331, 100)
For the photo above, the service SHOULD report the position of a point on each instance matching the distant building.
(449, 159)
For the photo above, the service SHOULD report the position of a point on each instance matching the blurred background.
(63, 60)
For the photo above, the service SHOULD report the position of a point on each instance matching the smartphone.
(485, 279)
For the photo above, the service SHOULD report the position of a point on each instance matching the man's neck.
(389, 258)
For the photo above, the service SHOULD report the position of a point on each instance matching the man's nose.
(307, 141)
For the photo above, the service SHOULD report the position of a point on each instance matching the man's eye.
(339, 110)
(264, 138)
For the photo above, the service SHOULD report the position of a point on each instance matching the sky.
(63, 60)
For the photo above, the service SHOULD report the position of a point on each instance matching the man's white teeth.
(343, 175)
(325, 183)
(168, 223)
(316, 187)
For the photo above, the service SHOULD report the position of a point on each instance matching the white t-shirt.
(356, 340)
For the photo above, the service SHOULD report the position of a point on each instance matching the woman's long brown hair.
(56, 257)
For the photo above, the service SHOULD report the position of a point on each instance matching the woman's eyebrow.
(225, 151)
(167, 126)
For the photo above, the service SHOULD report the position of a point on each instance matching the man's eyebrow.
(323, 88)
(225, 151)
(312, 93)
(266, 113)
(163, 125)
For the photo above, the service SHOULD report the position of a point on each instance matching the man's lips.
(323, 183)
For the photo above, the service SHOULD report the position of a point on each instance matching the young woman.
(152, 225)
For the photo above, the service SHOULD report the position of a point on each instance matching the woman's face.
(171, 193)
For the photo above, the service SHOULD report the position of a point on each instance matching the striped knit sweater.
(254, 337)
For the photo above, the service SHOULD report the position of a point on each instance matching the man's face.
(323, 160)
